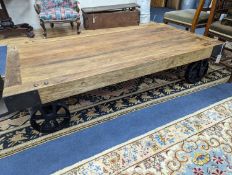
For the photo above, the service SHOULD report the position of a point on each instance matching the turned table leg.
(78, 26)
(72, 25)
(230, 80)
(44, 28)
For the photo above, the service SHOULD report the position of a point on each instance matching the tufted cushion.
(220, 29)
(49, 4)
(59, 13)
(186, 16)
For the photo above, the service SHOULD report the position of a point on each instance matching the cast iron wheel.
(196, 71)
(50, 118)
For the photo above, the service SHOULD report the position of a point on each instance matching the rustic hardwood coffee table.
(39, 74)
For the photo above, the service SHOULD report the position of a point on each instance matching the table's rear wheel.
(50, 118)
(196, 71)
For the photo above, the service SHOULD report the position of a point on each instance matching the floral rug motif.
(105, 104)
(198, 144)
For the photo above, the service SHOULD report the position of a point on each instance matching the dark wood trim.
(196, 16)
(9, 27)
(166, 21)
(109, 8)
(222, 38)
(230, 80)
(211, 17)
(3, 12)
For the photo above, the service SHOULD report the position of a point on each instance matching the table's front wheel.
(50, 118)
(196, 71)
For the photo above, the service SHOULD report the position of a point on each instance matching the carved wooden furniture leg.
(230, 80)
(7, 26)
(78, 26)
(44, 28)
(71, 23)
(1, 86)
(52, 25)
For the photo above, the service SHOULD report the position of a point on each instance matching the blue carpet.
(3, 52)
(157, 14)
(63, 152)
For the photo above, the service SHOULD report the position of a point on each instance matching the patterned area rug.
(104, 104)
(198, 144)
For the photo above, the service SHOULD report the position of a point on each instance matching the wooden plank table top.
(62, 67)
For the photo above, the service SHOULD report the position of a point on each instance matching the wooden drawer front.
(111, 19)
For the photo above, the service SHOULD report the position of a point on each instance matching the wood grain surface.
(12, 68)
(67, 66)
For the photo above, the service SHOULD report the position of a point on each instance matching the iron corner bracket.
(22, 101)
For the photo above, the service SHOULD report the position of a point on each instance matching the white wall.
(23, 10)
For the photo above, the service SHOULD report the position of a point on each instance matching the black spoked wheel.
(50, 118)
(196, 71)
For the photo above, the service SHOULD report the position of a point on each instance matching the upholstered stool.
(185, 17)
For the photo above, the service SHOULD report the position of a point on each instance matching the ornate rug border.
(60, 172)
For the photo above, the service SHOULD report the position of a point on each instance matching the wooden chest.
(158, 3)
(111, 16)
